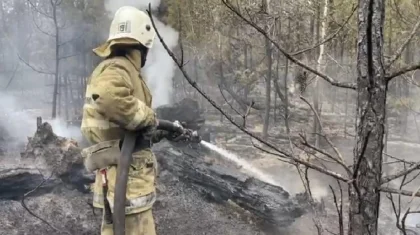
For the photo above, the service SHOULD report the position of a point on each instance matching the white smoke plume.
(113, 5)
(19, 123)
(159, 69)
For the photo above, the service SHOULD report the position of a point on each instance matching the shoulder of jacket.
(117, 63)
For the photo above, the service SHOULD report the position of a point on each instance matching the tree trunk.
(405, 93)
(57, 62)
(195, 94)
(286, 97)
(346, 105)
(58, 103)
(371, 87)
(320, 67)
(268, 51)
(66, 97)
(247, 66)
(385, 157)
(74, 105)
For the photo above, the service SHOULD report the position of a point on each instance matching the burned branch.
(37, 216)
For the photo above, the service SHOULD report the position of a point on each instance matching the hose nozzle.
(182, 133)
(195, 137)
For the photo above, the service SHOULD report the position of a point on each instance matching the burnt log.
(58, 160)
(220, 182)
(51, 159)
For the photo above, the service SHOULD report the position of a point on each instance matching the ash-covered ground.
(59, 208)
(179, 210)
(182, 208)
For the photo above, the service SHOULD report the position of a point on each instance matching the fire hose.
(127, 149)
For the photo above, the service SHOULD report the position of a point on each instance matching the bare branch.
(339, 208)
(306, 184)
(32, 67)
(279, 157)
(329, 38)
(287, 55)
(402, 71)
(404, 45)
(71, 40)
(335, 160)
(39, 27)
(69, 56)
(22, 202)
(12, 77)
(228, 117)
(398, 191)
(401, 173)
(224, 97)
(37, 10)
(340, 157)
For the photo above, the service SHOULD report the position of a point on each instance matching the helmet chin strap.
(143, 59)
(143, 55)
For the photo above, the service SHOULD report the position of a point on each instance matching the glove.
(149, 132)
(174, 136)
(159, 135)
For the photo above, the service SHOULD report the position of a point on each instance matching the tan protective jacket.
(116, 92)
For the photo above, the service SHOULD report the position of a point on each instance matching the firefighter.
(118, 99)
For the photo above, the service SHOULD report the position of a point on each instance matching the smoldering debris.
(208, 190)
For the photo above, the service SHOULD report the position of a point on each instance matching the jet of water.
(250, 169)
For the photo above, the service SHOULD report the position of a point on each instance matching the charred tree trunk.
(286, 85)
(385, 157)
(371, 87)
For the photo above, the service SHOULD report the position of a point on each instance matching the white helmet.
(130, 22)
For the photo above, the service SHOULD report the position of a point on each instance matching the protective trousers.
(135, 224)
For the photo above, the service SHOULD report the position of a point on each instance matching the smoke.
(18, 123)
(159, 69)
(113, 5)
(15, 123)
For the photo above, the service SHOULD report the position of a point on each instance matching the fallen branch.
(22, 202)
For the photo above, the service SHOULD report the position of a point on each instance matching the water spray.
(188, 135)
(249, 168)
